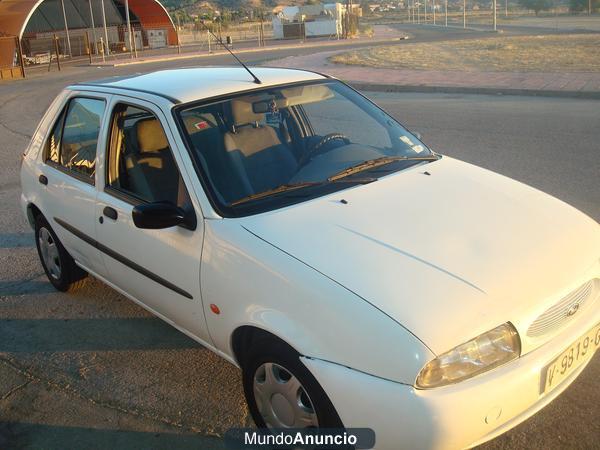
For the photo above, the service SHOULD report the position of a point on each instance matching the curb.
(328, 44)
(593, 95)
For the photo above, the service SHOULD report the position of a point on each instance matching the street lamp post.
(464, 13)
(446, 11)
(494, 6)
(105, 29)
(433, 2)
(62, 3)
(128, 27)
(93, 28)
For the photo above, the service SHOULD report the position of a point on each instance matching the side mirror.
(159, 215)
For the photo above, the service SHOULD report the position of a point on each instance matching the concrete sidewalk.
(579, 84)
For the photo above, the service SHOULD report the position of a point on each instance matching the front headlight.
(483, 353)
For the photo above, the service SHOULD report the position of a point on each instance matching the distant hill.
(193, 6)
(190, 5)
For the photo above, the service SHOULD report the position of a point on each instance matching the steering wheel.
(316, 148)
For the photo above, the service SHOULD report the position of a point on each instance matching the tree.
(583, 5)
(536, 5)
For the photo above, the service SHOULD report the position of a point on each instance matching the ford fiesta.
(356, 277)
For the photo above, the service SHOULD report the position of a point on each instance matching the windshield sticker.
(406, 140)
(202, 125)
(415, 147)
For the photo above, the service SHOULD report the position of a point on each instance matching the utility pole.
(425, 11)
(446, 11)
(433, 1)
(494, 6)
(464, 13)
(62, 3)
(128, 27)
(589, 7)
(93, 28)
(505, 8)
(105, 29)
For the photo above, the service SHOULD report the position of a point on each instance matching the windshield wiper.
(371, 163)
(338, 177)
(275, 190)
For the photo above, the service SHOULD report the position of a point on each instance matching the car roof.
(190, 84)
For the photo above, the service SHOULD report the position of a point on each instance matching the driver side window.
(141, 164)
(346, 118)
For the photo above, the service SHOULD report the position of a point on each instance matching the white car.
(356, 277)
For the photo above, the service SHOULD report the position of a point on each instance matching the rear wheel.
(281, 392)
(60, 268)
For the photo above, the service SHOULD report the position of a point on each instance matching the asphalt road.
(93, 370)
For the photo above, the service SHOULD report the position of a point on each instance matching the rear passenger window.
(140, 160)
(74, 138)
(53, 144)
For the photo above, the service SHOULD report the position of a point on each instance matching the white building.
(309, 20)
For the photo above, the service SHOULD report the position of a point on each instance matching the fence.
(195, 34)
(10, 50)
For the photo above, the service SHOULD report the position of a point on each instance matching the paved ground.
(573, 84)
(92, 370)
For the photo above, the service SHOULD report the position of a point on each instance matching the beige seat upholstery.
(151, 170)
(257, 151)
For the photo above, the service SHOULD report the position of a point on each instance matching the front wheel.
(282, 393)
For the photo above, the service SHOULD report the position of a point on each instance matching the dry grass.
(558, 53)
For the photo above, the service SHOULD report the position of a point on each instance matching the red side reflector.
(214, 308)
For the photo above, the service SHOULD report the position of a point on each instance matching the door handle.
(43, 179)
(109, 212)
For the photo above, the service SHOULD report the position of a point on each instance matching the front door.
(159, 268)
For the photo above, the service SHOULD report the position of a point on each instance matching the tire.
(285, 366)
(59, 266)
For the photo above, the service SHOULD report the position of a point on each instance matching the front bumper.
(451, 417)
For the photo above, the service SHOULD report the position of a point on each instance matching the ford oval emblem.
(573, 309)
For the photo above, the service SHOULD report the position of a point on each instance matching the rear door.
(69, 176)
(159, 268)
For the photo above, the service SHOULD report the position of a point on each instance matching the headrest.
(242, 113)
(150, 136)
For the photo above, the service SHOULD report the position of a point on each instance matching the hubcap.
(49, 252)
(281, 399)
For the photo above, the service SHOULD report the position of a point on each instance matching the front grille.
(555, 316)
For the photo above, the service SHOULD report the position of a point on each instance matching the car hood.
(447, 249)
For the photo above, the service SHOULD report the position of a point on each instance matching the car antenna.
(220, 41)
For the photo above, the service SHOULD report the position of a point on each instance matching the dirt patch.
(558, 53)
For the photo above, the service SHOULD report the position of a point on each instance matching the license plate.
(569, 360)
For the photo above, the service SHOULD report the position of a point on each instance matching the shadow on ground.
(29, 435)
(59, 335)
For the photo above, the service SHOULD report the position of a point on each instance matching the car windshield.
(276, 146)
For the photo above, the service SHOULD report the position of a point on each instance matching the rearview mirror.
(159, 215)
